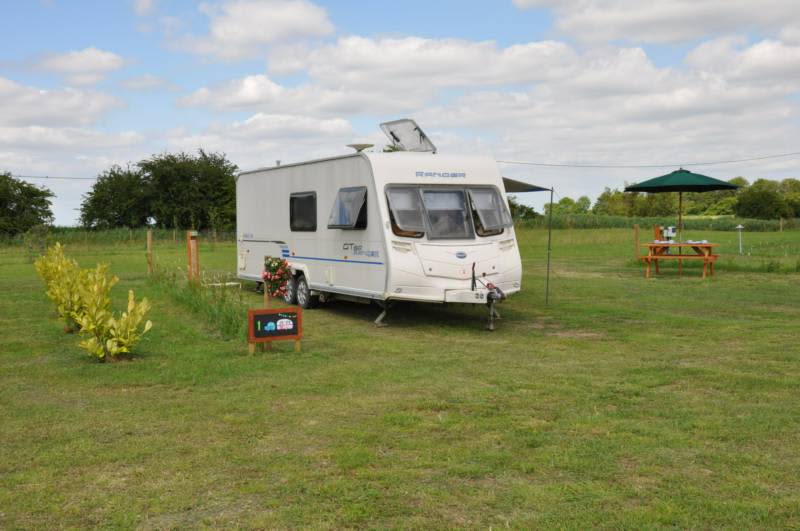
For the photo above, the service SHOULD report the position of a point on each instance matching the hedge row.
(726, 223)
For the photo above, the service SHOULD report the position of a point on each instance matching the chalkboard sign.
(275, 324)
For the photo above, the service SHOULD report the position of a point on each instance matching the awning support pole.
(549, 249)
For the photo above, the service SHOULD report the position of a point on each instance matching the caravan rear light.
(505, 245)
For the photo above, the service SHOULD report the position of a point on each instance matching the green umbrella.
(681, 181)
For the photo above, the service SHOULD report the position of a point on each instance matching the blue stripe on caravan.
(336, 260)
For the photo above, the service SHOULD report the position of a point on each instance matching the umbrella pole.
(680, 216)
(549, 249)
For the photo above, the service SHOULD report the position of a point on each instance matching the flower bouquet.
(276, 276)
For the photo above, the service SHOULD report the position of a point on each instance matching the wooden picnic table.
(657, 251)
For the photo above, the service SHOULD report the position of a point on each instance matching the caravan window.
(447, 214)
(405, 211)
(303, 211)
(350, 209)
(489, 211)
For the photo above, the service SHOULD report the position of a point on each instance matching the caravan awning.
(513, 186)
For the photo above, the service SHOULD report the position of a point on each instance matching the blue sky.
(84, 85)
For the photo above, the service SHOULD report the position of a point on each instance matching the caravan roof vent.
(360, 147)
(407, 135)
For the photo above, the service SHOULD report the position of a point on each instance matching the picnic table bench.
(658, 251)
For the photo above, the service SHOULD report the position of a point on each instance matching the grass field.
(626, 403)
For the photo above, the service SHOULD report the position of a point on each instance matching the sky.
(87, 85)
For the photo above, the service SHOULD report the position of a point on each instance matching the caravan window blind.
(447, 214)
(405, 208)
(303, 211)
(350, 209)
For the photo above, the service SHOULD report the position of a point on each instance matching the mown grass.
(626, 403)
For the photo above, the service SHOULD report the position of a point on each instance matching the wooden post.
(636, 241)
(175, 235)
(297, 346)
(189, 268)
(149, 252)
(267, 297)
(193, 255)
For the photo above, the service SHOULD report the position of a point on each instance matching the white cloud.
(143, 7)
(264, 138)
(147, 82)
(36, 137)
(82, 67)
(765, 62)
(259, 92)
(419, 64)
(240, 29)
(25, 105)
(357, 76)
(665, 20)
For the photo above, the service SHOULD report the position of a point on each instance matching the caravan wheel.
(291, 292)
(304, 297)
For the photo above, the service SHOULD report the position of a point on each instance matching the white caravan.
(407, 225)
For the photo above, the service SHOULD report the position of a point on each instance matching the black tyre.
(304, 297)
(291, 292)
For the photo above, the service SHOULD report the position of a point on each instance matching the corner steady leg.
(492, 313)
(384, 309)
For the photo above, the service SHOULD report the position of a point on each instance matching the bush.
(62, 279)
(82, 299)
(110, 337)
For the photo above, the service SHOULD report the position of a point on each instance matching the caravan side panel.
(335, 260)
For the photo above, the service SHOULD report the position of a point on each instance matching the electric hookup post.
(280, 324)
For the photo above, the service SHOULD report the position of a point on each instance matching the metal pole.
(549, 249)
(680, 216)
(739, 228)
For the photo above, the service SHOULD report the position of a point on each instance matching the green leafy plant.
(82, 299)
(62, 278)
(109, 337)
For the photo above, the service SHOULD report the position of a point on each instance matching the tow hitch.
(494, 296)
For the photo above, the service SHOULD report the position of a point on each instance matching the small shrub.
(82, 299)
(109, 337)
(62, 278)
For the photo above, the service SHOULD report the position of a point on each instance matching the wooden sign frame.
(252, 340)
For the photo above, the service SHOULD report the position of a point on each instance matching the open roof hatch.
(406, 135)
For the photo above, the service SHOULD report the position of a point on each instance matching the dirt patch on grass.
(546, 326)
(576, 334)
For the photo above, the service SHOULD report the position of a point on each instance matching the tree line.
(763, 199)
